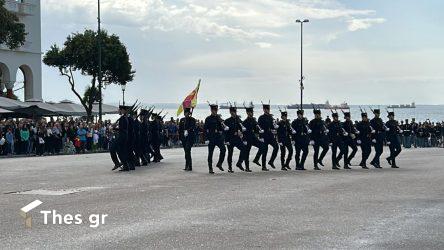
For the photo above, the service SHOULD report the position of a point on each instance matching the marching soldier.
(269, 126)
(156, 129)
(131, 140)
(335, 134)
(365, 138)
(393, 131)
(214, 127)
(284, 133)
(300, 132)
(123, 137)
(349, 140)
(378, 137)
(234, 138)
(187, 135)
(139, 141)
(145, 134)
(318, 138)
(251, 130)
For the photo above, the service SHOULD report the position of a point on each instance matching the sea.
(433, 113)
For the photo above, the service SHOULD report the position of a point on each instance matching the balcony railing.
(23, 9)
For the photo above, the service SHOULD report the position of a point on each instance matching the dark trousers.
(300, 159)
(113, 149)
(379, 148)
(259, 145)
(187, 145)
(123, 151)
(352, 144)
(366, 149)
(272, 142)
(216, 142)
(140, 156)
(286, 146)
(316, 157)
(235, 143)
(335, 157)
(395, 150)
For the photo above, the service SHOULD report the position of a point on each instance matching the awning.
(11, 104)
(35, 111)
(5, 111)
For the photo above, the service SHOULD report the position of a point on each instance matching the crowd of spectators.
(75, 135)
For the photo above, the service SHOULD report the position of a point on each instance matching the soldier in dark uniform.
(300, 133)
(234, 138)
(156, 128)
(123, 137)
(336, 134)
(131, 158)
(139, 140)
(284, 133)
(144, 133)
(214, 127)
(269, 126)
(350, 139)
(393, 131)
(378, 137)
(250, 136)
(187, 135)
(365, 138)
(318, 138)
(114, 147)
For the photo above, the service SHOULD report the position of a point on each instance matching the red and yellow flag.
(190, 101)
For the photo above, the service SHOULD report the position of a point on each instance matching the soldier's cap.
(187, 110)
(335, 115)
(266, 106)
(316, 111)
(249, 109)
(214, 106)
(300, 112)
(284, 113)
(123, 107)
(391, 114)
(346, 114)
(144, 112)
(233, 109)
(377, 111)
(363, 114)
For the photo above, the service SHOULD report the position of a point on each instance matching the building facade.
(27, 58)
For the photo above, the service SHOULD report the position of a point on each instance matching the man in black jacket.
(234, 138)
(300, 133)
(187, 135)
(214, 127)
(268, 126)
(365, 138)
(393, 131)
(250, 136)
(378, 137)
(284, 133)
(318, 138)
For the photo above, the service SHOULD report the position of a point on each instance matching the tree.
(80, 53)
(12, 32)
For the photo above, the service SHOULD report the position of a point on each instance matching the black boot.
(239, 166)
(271, 165)
(219, 166)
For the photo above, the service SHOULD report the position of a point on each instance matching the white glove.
(276, 126)
(185, 133)
(245, 143)
(293, 142)
(388, 143)
(387, 129)
(374, 140)
(273, 131)
(331, 144)
(227, 143)
(373, 131)
(358, 132)
(401, 131)
(206, 142)
(345, 134)
(226, 128)
(358, 141)
(293, 131)
(261, 131)
(327, 131)
(309, 131)
(312, 142)
(261, 140)
(281, 144)
(244, 129)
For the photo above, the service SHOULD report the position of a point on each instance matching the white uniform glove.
(276, 126)
(358, 132)
(327, 131)
(401, 131)
(293, 142)
(244, 129)
(261, 131)
(345, 134)
(206, 142)
(185, 133)
(245, 143)
(388, 143)
(309, 131)
(358, 141)
(373, 131)
(387, 129)
(330, 144)
(374, 140)
(312, 142)
(227, 143)
(226, 128)
(281, 144)
(261, 140)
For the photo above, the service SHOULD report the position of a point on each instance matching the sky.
(357, 51)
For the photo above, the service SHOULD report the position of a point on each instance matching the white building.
(26, 58)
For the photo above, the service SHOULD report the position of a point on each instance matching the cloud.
(363, 23)
(264, 45)
(246, 20)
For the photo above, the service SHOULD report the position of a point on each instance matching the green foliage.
(80, 53)
(12, 32)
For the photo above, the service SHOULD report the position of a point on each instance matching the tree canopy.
(12, 32)
(80, 53)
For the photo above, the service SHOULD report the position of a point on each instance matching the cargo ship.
(402, 106)
(227, 105)
(325, 105)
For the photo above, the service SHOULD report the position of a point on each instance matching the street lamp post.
(301, 81)
(99, 38)
(123, 92)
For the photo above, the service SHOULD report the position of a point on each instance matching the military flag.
(190, 101)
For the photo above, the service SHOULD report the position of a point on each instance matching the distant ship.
(403, 106)
(227, 105)
(325, 105)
